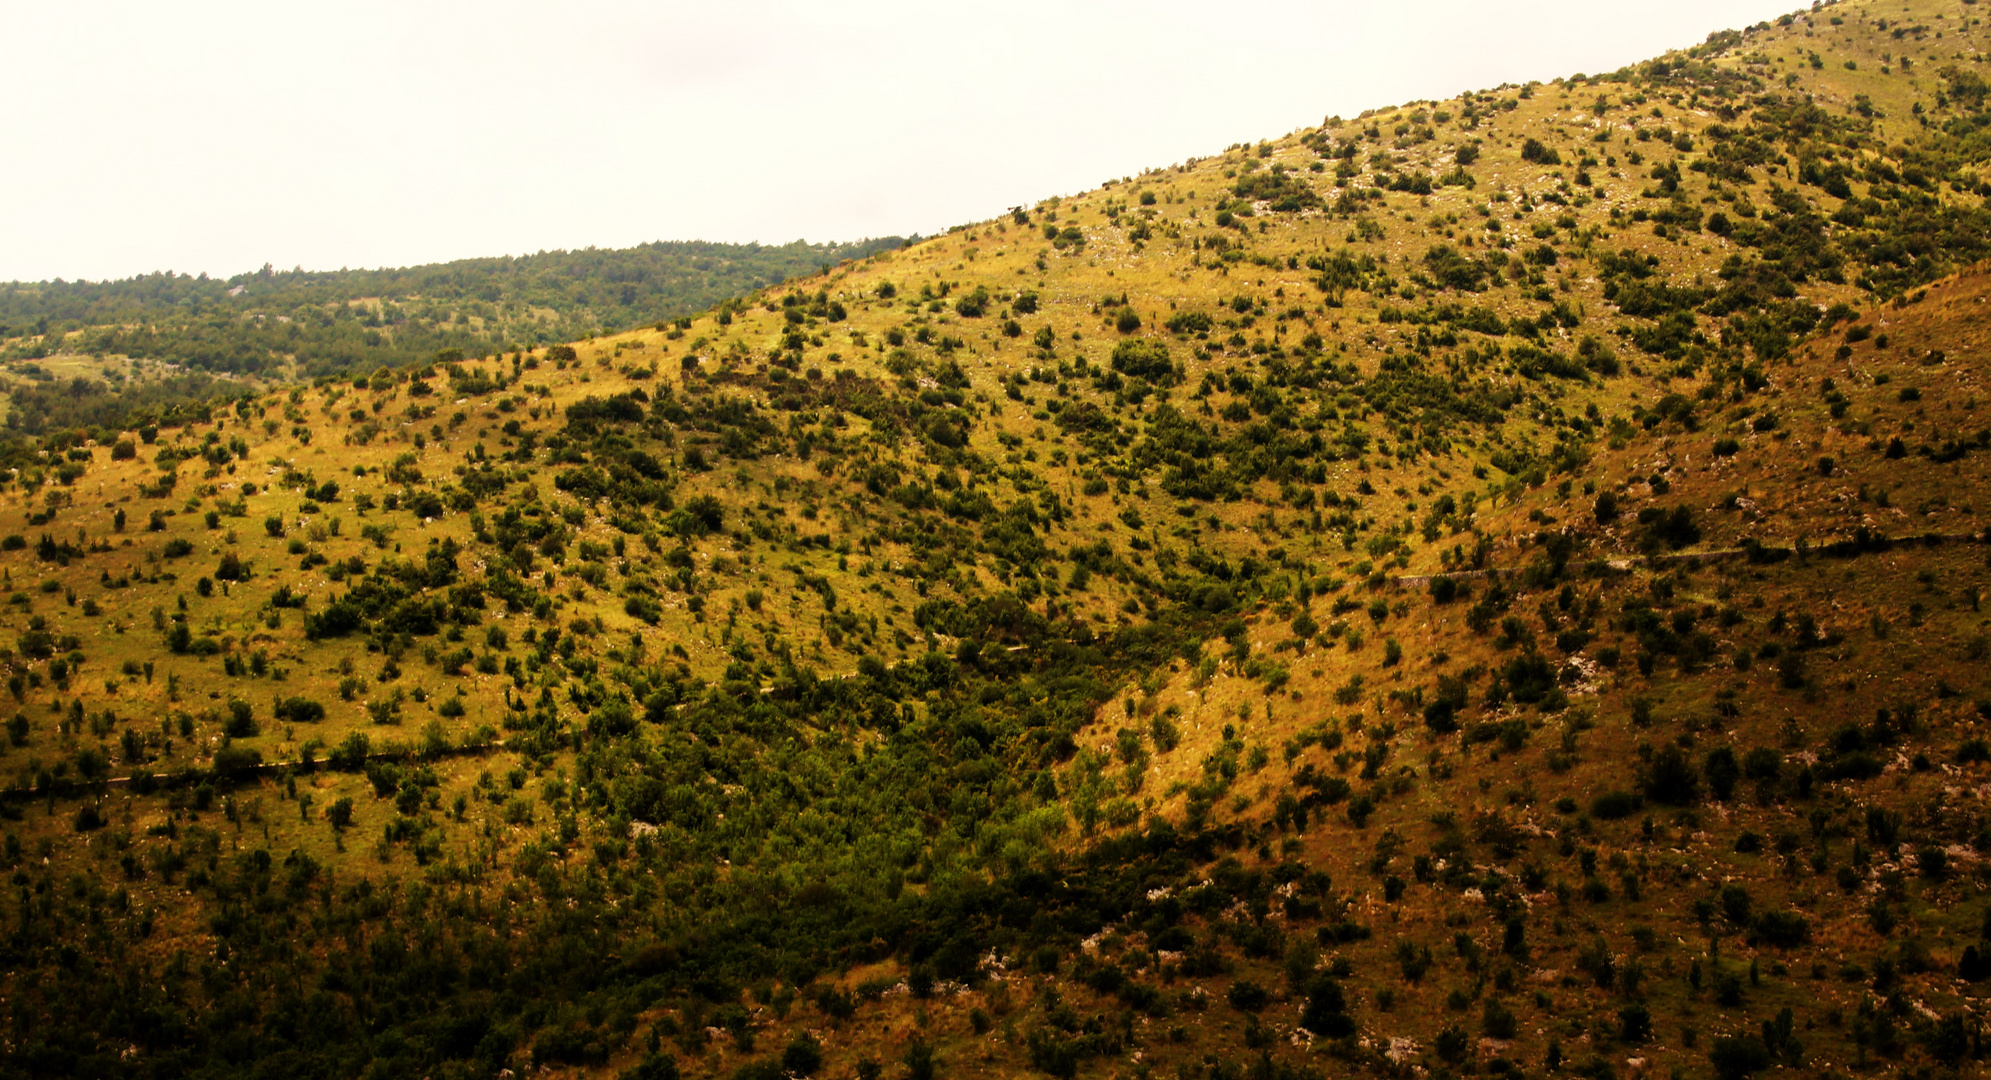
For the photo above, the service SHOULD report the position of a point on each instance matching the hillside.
(1491, 587)
(188, 331)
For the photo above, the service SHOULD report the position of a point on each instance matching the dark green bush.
(1615, 805)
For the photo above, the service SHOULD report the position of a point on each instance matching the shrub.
(974, 304)
(1188, 322)
(1782, 929)
(1762, 763)
(1791, 670)
(1326, 1010)
(1722, 771)
(1453, 270)
(1673, 528)
(241, 722)
(802, 1056)
(1248, 996)
(645, 608)
(236, 759)
(1736, 904)
(1615, 805)
(350, 756)
(1597, 356)
(1452, 1043)
(298, 710)
(703, 514)
(1143, 359)
(1634, 1024)
(1670, 778)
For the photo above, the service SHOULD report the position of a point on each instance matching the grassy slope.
(1512, 795)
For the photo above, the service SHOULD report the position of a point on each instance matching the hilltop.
(1489, 587)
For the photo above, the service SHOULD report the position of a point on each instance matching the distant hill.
(308, 323)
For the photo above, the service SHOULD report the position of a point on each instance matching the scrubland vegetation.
(1492, 587)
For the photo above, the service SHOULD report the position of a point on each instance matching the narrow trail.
(191, 776)
(1624, 564)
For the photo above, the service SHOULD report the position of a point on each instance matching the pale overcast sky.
(217, 136)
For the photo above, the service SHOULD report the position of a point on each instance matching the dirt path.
(1839, 549)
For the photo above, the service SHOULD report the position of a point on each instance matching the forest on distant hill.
(306, 323)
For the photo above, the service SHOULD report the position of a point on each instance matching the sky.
(207, 136)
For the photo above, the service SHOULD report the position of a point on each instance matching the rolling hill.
(1488, 587)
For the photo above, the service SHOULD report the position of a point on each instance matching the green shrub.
(236, 759)
(1188, 322)
(1783, 929)
(241, 721)
(1143, 359)
(298, 710)
(1246, 995)
(1615, 805)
